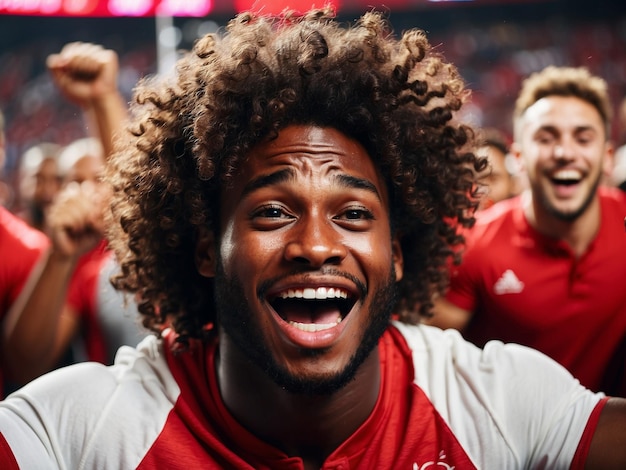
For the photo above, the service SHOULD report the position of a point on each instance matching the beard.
(236, 320)
(572, 215)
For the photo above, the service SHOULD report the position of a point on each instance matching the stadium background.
(494, 43)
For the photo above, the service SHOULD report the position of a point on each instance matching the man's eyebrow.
(547, 128)
(284, 175)
(267, 180)
(584, 128)
(358, 183)
(554, 130)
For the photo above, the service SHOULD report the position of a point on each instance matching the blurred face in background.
(46, 182)
(495, 183)
(87, 173)
(561, 143)
(87, 168)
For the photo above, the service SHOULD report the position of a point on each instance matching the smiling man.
(547, 269)
(282, 212)
(306, 221)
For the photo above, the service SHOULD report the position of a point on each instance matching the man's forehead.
(306, 154)
(562, 111)
(313, 139)
(308, 148)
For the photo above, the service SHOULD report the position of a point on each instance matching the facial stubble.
(236, 320)
(571, 216)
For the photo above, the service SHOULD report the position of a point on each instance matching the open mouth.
(313, 309)
(566, 177)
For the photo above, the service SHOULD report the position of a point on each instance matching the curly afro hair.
(189, 133)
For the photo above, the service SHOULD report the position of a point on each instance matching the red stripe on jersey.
(6, 456)
(580, 457)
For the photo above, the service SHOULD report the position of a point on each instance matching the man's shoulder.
(495, 222)
(16, 234)
(444, 363)
(499, 212)
(612, 198)
(447, 348)
(93, 384)
(496, 397)
(431, 343)
(84, 407)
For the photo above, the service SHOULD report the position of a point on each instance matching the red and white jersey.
(443, 403)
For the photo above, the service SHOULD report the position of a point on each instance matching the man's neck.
(306, 426)
(577, 233)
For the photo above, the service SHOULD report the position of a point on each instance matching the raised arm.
(40, 324)
(86, 74)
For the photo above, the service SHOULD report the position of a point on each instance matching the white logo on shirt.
(508, 284)
(439, 463)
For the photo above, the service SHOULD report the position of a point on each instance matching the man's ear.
(516, 152)
(205, 252)
(397, 258)
(608, 163)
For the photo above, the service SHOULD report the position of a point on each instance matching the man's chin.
(235, 319)
(314, 385)
(568, 210)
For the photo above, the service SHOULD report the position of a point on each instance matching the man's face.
(496, 182)
(47, 182)
(87, 168)
(307, 266)
(562, 145)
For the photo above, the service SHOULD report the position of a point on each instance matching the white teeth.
(321, 293)
(313, 327)
(567, 175)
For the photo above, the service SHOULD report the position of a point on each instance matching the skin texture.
(308, 209)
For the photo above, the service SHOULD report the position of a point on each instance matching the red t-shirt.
(526, 288)
(20, 248)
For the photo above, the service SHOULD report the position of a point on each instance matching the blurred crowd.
(493, 57)
(34, 110)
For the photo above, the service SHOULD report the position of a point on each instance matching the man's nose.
(564, 149)
(315, 241)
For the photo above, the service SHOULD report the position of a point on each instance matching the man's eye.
(270, 212)
(357, 214)
(545, 139)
